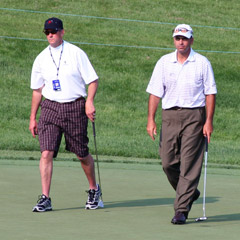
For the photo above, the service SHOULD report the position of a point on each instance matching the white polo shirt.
(75, 71)
(182, 85)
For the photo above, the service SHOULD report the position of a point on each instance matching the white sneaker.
(43, 204)
(93, 201)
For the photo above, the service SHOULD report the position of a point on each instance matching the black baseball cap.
(53, 23)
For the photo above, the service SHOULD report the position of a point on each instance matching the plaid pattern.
(69, 119)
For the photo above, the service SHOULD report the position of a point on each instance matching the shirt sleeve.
(156, 86)
(36, 76)
(209, 80)
(87, 71)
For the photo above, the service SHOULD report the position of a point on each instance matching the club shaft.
(205, 178)
(95, 144)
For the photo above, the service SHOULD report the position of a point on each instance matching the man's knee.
(166, 166)
(85, 159)
(47, 155)
(170, 167)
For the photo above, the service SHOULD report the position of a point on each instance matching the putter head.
(201, 219)
(100, 204)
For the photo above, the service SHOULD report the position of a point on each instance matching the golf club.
(100, 203)
(203, 218)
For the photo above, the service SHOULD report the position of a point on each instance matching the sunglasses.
(48, 31)
(183, 30)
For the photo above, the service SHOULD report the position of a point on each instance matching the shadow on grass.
(218, 218)
(224, 218)
(131, 203)
(67, 209)
(208, 200)
(151, 202)
(142, 203)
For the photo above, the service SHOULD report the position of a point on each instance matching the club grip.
(206, 144)
(93, 126)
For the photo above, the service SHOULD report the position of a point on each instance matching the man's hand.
(89, 106)
(36, 99)
(207, 130)
(152, 109)
(152, 129)
(33, 127)
(90, 110)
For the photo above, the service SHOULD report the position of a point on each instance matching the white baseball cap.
(183, 30)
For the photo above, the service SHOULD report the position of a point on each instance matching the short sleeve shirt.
(75, 71)
(182, 85)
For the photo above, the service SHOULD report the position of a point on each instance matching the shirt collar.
(58, 48)
(191, 57)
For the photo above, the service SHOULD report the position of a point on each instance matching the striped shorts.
(69, 119)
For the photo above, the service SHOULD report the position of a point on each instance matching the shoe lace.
(91, 195)
(41, 199)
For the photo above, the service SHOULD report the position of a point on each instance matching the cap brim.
(186, 34)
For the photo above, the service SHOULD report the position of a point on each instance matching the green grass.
(134, 209)
(124, 72)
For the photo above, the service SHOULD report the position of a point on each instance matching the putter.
(203, 218)
(100, 203)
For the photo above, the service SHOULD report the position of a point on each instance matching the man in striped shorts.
(59, 74)
(184, 80)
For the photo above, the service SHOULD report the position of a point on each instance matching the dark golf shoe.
(179, 218)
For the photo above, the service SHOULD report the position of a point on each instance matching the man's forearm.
(210, 106)
(89, 107)
(92, 89)
(36, 100)
(152, 109)
(152, 106)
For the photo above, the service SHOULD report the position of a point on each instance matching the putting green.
(138, 204)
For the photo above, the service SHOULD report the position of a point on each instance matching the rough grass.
(124, 72)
